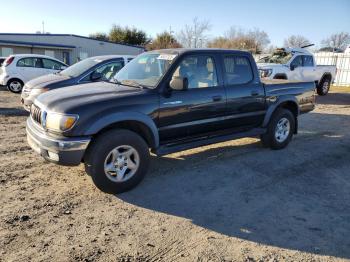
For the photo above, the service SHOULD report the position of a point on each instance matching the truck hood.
(72, 99)
(268, 65)
(45, 80)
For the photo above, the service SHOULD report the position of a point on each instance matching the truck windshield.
(276, 58)
(146, 69)
(80, 67)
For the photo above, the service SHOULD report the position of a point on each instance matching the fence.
(342, 63)
(340, 60)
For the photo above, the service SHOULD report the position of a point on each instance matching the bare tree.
(260, 38)
(337, 41)
(162, 41)
(194, 35)
(234, 32)
(254, 40)
(296, 41)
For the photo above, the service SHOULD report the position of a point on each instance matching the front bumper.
(60, 150)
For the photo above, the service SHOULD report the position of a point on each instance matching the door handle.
(254, 93)
(217, 98)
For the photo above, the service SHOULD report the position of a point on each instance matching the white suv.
(19, 69)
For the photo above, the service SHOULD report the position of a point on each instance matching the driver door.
(297, 73)
(193, 111)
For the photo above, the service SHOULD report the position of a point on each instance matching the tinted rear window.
(237, 70)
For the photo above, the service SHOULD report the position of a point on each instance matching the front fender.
(114, 118)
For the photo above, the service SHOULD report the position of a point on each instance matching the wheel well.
(141, 129)
(292, 107)
(280, 76)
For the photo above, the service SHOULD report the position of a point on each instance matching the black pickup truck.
(164, 101)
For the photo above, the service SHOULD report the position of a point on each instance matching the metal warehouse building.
(65, 47)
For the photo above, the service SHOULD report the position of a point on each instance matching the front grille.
(35, 113)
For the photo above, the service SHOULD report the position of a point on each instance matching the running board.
(204, 141)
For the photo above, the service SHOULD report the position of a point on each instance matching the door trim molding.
(211, 120)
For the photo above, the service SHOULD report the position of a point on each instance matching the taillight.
(9, 60)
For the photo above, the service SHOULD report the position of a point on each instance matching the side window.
(199, 70)
(237, 70)
(308, 60)
(51, 64)
(297, 62)
(30, 62)
(108, 71)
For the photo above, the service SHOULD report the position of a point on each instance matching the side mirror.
(63, 67)
(95, 76)
(292, 67)
(179, 83)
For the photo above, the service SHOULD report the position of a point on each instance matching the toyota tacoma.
(163, 102)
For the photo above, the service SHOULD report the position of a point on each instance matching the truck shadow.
(4, 111)
(334, 99)
(297, 198)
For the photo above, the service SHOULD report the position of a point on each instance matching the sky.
(315, 20)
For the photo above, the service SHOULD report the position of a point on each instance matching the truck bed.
(304, 92)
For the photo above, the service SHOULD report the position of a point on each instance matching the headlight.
(59, 122)
(37, 91)
(265, 72)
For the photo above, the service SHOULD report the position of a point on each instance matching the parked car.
(19, 69)
(2, 59)
(297, 64)
(166, 101)
(88, 70)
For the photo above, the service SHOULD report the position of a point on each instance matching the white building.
(65, 47)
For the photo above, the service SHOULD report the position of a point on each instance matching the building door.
(66, 59)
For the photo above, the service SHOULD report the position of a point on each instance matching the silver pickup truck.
(297, 64)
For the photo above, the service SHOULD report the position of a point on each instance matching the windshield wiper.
(131, 83)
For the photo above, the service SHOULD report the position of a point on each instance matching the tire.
(278, 140)
(15, 86)
(104, 169)
(323, 86)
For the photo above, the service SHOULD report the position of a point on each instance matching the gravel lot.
(233, 201)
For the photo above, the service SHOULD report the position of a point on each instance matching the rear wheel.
(280, 130)
(117, 161)
(15, 86)
(323, 87)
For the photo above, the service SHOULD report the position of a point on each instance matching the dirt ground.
(233, 201)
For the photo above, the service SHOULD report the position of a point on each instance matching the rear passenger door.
(30, 68)
(245, 93)
(309, 69)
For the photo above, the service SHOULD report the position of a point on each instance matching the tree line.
(196, 35)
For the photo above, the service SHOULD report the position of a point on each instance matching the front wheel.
(15, 86)
(117, 161)
(280, 130)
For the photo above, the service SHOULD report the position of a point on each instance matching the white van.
(19, 69)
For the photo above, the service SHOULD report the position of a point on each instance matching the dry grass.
(340, 89)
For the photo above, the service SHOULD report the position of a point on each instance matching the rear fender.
(281, 102)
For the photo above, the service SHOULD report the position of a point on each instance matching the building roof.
(80, 36)
(24, 43)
